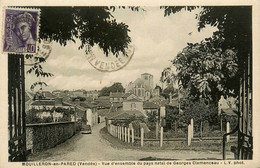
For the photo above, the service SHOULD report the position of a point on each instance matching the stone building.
(143, 87)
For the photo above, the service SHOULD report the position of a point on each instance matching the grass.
(205, 145)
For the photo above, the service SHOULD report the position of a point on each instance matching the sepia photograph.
(129, 83)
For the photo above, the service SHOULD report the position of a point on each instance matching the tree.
(169, 90)
(234, 34)
(116, 87)
(78, 98)
(168, 77)
(151, 121)
(172, 117)
(91, 25)
(200, 112)
(204, 70)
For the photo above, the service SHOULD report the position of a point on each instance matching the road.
(92, 147)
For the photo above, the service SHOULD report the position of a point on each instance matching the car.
(86, 129)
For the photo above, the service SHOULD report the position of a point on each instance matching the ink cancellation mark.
(110, 63)
(21, 30)
(43, 51)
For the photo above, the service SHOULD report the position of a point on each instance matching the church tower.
(148, 80)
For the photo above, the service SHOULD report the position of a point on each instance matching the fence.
(127, 134)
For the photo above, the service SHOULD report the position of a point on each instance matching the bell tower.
(148, 80)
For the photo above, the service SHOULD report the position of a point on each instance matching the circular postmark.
(110, 62)
(43, 52)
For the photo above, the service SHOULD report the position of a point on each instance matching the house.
(133, 104)
(116, 106)
(46, 104)
(43, 95)
(103, 102)
(57, 93)
(102, 114)
(49, 104)
(60, 93)
(129, 95)
(77, 93)
(43, 104)
(93, 94)
(91, 112)
(134, 109)
(123, 116)
(116, 97)
(151, 108)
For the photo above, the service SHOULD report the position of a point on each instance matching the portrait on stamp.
(20, 31)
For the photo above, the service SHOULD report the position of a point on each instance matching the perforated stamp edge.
(21, 8)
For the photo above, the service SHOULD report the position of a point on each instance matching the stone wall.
(40, 137)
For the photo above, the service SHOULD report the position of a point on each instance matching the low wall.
(40, 137)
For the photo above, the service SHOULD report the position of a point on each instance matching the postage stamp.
(43, 52)
(110, 62)
(21, 30)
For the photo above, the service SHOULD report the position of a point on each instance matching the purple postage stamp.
(21, 31)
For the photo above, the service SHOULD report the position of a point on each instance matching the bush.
(179, 133)
(150, 135)
(78, 98)
(151, 121)
(32, 115)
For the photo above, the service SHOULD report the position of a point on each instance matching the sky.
(157, 40)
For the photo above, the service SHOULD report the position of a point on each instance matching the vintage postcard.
(126, 85)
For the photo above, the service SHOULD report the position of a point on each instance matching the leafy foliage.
(231, 119)
(116, 87)
(151, 121)
(168, 77)
(204, 70)
(201, 113)
(135, 120)
(38, 83)
(32, 116)
(234, 35)
(78, 98)
(169, 90)
(91, 25)
(173, 118)
(38, 71)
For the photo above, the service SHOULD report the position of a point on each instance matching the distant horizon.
(93, 89)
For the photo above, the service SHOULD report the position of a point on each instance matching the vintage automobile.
(86, 129)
